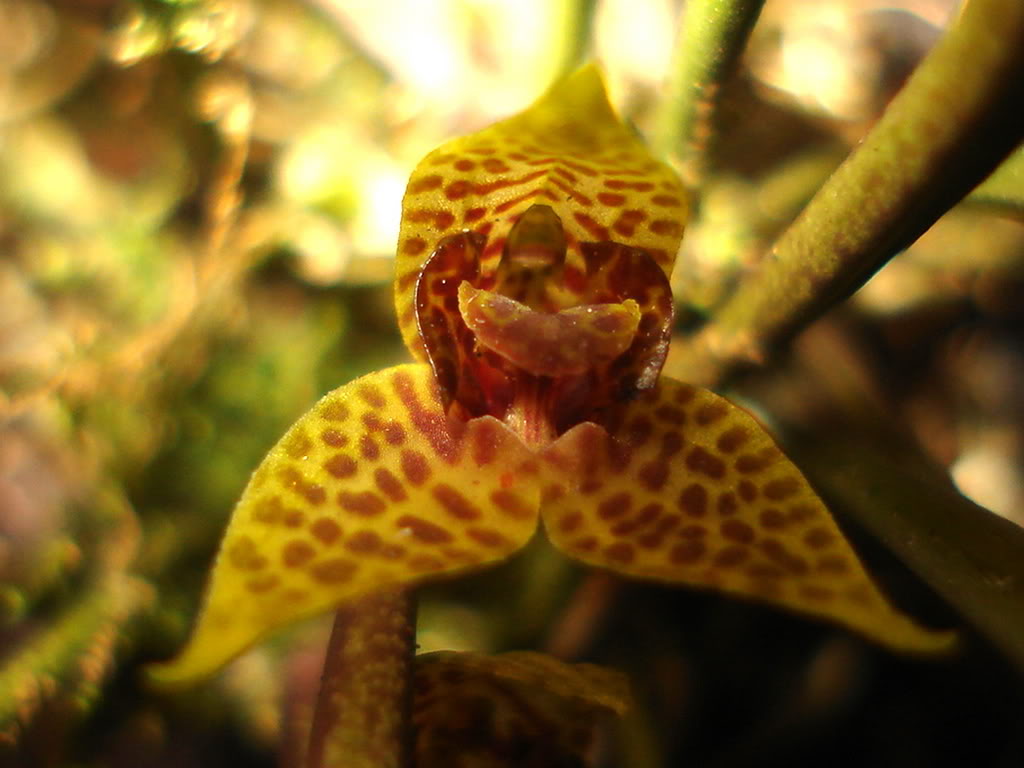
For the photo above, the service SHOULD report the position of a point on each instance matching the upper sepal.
(568, 151)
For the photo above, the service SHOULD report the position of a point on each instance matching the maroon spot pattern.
(682, 486)
(373, 475)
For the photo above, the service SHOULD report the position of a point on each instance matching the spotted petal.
(568, 151)
(683, 487)
(374, 487)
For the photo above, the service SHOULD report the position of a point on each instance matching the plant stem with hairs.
(362, 716)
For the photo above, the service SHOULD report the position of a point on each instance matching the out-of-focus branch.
(872, 471)
(970, 556)
(576, 18)
(955, 120)
(1004, 189)
(711, 37)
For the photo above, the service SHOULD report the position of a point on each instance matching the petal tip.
(930, 643)
(173, 675)
(213, 644)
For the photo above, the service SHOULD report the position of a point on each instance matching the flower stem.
(363, 714)
(712, 36)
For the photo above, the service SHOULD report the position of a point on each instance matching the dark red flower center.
(532, 344)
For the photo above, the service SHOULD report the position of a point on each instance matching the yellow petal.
(372, 488)
(692, 490)
(509, 710)
(568, 151)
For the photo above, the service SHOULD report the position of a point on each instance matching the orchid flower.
(532, 290)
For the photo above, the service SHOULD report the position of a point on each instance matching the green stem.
(363, 715)
(955, 120)
(575, 19)
(712, 36)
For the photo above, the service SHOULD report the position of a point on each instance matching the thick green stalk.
(711, 38)
(955, 120)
